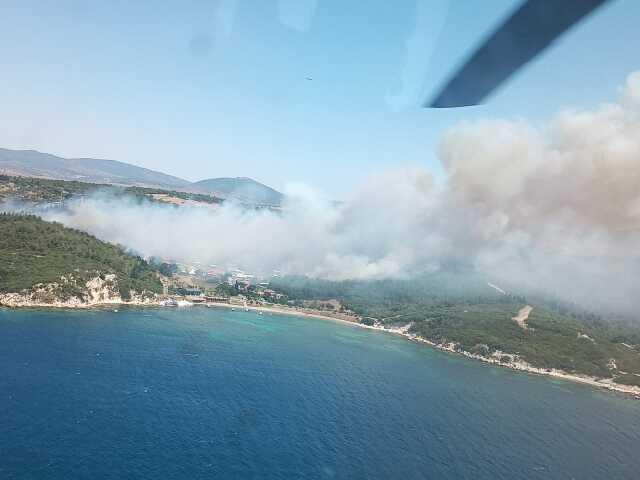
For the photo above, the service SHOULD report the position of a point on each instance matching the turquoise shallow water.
(205, 393)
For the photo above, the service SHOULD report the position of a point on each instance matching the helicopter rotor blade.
(532, 28)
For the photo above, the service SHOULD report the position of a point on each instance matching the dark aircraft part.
(526, 33)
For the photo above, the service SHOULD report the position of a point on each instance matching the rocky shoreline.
(96, 292)
(13, 300)
(515, 363)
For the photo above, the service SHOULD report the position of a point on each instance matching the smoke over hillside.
(555, 207)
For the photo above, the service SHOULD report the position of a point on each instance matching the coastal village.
(232, 287)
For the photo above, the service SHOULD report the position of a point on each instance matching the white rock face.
(99, 290)
(103, 290)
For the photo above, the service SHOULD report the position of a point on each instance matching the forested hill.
(462, 308)
(34, 252)
(242, 189)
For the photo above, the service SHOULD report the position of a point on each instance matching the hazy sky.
(202, 89)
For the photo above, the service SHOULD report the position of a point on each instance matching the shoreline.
(519, 366)
(286, 311)
(79, 305)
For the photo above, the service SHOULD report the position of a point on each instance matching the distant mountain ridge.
(31, 163)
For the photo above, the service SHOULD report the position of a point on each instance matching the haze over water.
(204, 393)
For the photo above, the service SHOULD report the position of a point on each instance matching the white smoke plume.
(371, 235)
(555, 207)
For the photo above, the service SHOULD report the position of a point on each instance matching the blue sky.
(218, 88)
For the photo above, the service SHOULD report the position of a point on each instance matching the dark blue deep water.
(204, 393)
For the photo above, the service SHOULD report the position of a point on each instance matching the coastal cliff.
(100, 290)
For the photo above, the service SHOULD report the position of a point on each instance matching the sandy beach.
(350, 319)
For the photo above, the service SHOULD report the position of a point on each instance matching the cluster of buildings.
(271, 294)
(260, 289)
(193, 279)
(238, 277)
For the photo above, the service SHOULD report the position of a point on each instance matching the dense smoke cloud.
(558, 208)
(373, 234)
(555, 207)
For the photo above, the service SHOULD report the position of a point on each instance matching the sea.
(204, 393)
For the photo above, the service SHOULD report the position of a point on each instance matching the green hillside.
(460, 307)
(33, 251)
